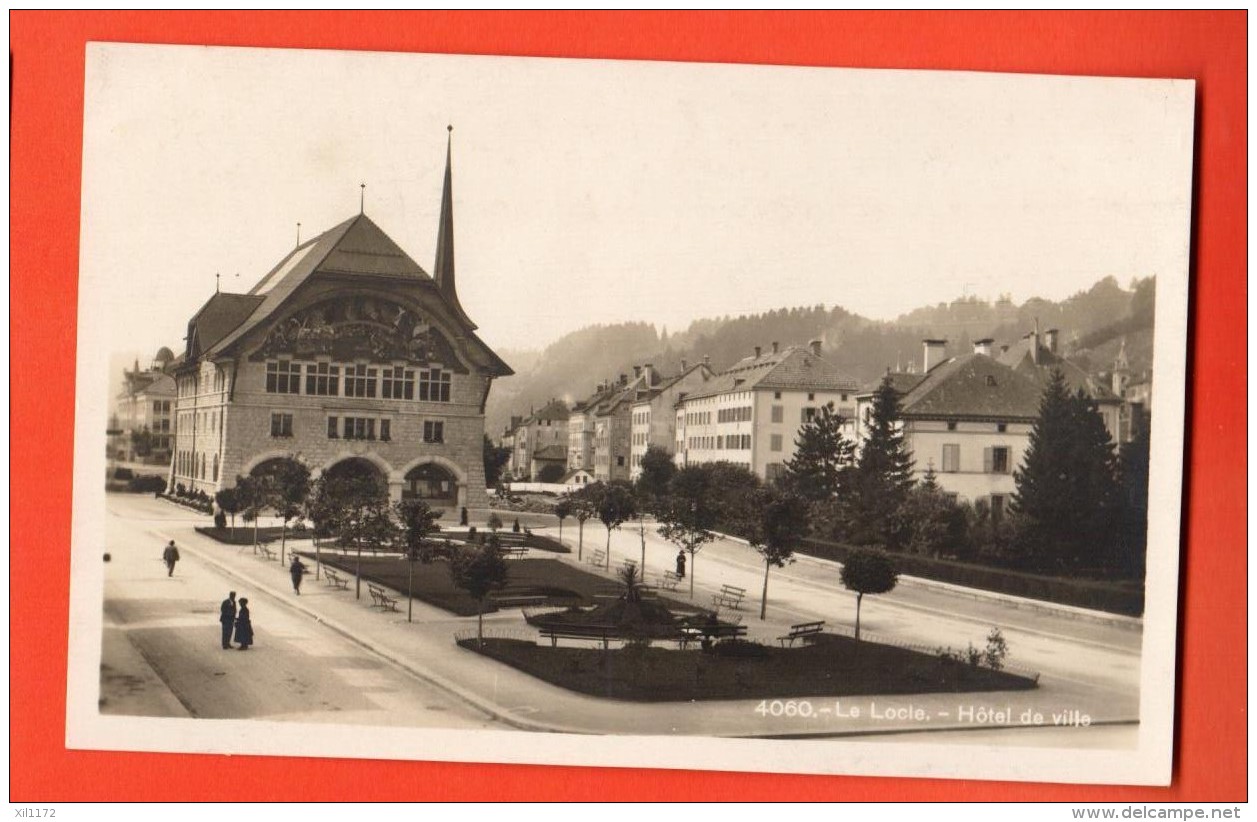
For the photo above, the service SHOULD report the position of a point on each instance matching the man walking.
(227, 616)
(170, 556)
(297, 570)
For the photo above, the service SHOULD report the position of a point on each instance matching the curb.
(474, 700)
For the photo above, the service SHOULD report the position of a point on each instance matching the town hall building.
(346, 356)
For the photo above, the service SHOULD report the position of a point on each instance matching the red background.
(47, 51)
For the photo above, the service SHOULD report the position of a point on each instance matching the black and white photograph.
(643, 414)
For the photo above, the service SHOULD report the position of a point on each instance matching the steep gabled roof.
(901, 381)
(973, 385)
(221, 314)
(356, 247)
(1020, 357)
(551, 452)
(555, 410)
(792, 368)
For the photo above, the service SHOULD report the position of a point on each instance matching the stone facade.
(347, 350)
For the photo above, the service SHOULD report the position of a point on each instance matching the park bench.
(804, 631)
(381, 597)
(599, 632)
(334, 579)
(730, 596)
(515, 553)
(267, 553)
(701, 633)
(598, 558)
(669, 581)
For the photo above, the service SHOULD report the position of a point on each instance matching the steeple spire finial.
(362, 199)
(443, 269)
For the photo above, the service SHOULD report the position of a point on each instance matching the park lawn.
(832, 666)
(557, 583)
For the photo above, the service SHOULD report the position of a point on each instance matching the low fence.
(539, 487)
(1125, 598)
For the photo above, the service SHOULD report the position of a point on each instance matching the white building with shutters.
(750, 414)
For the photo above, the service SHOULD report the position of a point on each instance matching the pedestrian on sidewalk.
(244, 626)
(227, 616)
(170, 556)
(681, 564)
(297, 570)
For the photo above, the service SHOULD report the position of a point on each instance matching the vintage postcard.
(611, 413)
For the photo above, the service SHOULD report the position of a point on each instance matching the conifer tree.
(1067, 489)
(882, 477)
(822, 456)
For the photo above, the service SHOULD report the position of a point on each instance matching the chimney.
(933, 354)
(685, 366)
(983, 346)
(758, 351)
(776, 349)
(649, 371)
(707, 360)
(816, 347)
(1051, 336)
(1034, 342)
(624, 379)
(637, 371)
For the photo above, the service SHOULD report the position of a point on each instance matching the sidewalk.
(427, 650)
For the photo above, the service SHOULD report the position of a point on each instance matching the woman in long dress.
(244, 628)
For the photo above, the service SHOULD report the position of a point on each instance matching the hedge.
(1116, 597)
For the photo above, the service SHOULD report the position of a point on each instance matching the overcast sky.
(600, 191)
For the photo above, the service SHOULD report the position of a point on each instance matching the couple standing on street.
(238, 621)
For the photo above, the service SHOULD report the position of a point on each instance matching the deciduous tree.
(776, 521)
(479, 571)
(868, 571)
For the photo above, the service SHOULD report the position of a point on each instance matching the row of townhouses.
(968, 417)
(351, 358)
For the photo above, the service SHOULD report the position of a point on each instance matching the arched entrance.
(358, 469)
(432, 483)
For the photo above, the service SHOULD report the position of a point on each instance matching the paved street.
(305, 665)
(163, 657)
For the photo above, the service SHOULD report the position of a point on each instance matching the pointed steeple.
(443, 270)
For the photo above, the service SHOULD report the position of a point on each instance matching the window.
(433, 431)
(215, 475)
(844, 397)
(385, 432)
(779, 413)
(359, 381)
(951, 425)
(775, 443)
(283, 377)
(333, 428)
(776, 395)
(398, 384)
(323, 380)
(434, 385)
(951, 458)
(619, 461)
(359, 428)
(156, 406)
(281, 425)
(811, 397)
(809, 414)
(1001, 427)
(996, 459)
